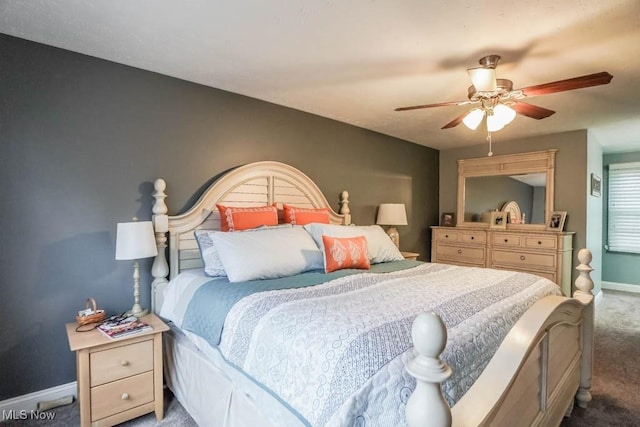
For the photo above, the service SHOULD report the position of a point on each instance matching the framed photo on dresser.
(498, 220)
(556, 221)
(448, 219)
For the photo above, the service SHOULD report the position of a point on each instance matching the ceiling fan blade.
(589, 80)
(440, 104)
(532, 111)
(455, 122)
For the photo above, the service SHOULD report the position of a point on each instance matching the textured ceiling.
(355, 61)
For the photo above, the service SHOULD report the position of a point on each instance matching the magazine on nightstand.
(121, 326)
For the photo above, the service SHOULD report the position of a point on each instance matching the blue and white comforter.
(336, 352)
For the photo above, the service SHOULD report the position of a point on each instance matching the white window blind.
(624, 207)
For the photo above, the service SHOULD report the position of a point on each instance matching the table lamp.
(392, 214)
(135, 240)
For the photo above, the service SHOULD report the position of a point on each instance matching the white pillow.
(212, 263)
(267, 253)
(379, 245)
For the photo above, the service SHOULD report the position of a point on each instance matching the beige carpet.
(616, 381)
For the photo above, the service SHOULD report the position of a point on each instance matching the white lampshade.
(504, 113)
(392, 214)
(483, 79)
(473, 118)
(135, 240)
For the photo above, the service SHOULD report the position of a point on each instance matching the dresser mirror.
(518, 184)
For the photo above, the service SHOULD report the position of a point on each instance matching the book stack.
(122, 326)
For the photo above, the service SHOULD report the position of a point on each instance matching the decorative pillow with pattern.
(302, 216)
(243, 218)
(345, 252)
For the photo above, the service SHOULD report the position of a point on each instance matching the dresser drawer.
(507, 240)
(457, 253)
(447, 236)
(546, 274)
(118, 396)
(473, 237)
(524, 260)
(542, 242)
(121, 362)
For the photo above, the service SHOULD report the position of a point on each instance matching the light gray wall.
(594, 207)
(81, 141)
(570, 179)
(618, 267)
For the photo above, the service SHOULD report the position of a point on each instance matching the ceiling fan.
(500, 103)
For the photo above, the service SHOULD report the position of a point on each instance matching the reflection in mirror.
(489, 193)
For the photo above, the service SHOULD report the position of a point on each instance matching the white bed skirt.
(209, 389)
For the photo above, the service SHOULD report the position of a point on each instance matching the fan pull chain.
(490, 153)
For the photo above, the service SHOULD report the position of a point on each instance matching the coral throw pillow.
(302, 216)
(234, 219)
(345, 252)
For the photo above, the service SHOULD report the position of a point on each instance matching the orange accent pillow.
(302, 216)
(235, 219)
(345, 252)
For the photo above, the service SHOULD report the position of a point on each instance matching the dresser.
(118, 379)
(544, 253)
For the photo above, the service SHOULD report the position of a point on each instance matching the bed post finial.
(426, 406)
(160, 268)
(344, 207)
(584, 293)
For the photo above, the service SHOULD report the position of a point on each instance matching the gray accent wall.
(81, 141)
(570, 175)
(618, 267)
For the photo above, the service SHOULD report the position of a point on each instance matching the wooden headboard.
(255, 184)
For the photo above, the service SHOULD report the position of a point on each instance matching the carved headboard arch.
(254, 184)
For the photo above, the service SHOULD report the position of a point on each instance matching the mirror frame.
(510, 164)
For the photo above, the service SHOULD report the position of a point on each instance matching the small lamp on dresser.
(135, 240)
(392, 214)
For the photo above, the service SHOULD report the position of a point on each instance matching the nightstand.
(410, 255)
(118, 379)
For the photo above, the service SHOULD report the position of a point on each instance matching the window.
(624, 207)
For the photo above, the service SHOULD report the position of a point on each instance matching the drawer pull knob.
(125, 396)
(446, 236)
(459, 251)
(124, 363)
(522, 257)
(506, 240)
(472, 237)
(539, 242)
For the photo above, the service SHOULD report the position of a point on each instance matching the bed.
(353, 346)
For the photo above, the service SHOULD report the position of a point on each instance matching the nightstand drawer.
(121, 362)
(118, 396)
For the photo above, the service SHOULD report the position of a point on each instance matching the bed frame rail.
(532, 379)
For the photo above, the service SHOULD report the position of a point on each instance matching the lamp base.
(394, 236)
(138, 312)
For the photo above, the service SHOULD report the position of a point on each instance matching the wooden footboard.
(533, 377)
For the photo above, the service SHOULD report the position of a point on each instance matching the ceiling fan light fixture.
(504, 114)
(473, 118)
(494, 123)
(483, 79)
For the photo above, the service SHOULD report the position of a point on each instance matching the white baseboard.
(29, 402)
(624, 287)
(598, 298)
